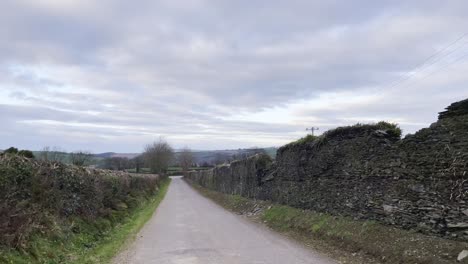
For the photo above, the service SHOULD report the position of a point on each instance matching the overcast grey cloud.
(114, 75)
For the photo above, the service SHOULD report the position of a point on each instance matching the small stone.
(465, 212)
(388, 208)
(121, 206)
(381, 133)
(417, 188)
(458, 226)
(462, 255)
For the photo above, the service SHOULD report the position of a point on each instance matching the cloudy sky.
(112, 75)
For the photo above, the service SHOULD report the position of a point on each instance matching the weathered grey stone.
(458, 226)
(360, 172)
(388, 208)
(463, 254)
(417, 187)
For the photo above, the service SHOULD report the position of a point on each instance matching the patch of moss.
(392, 130)
(307, 139)
(263, 161)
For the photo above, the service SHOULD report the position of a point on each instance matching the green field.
(170, 170)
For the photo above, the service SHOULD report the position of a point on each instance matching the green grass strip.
(125, 233)
(344, 237)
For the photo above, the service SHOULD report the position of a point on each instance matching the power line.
(312, 129)
(442, 50)
(433, 63)
(464, 56)
(423, 65)
(445, 55)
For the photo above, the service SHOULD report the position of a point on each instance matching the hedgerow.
(40, 197)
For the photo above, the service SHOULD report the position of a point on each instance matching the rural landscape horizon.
(233, 132)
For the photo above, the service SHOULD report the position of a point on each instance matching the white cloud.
(112, 75)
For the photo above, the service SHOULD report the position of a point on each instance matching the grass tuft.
(392, 130)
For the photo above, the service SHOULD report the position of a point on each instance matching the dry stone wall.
(419, 182)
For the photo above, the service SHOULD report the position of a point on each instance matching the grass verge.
(87, 242)
(342, 238)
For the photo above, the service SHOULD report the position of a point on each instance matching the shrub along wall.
(366, 172)
(34, 195)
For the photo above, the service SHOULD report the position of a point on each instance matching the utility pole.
(312, 129)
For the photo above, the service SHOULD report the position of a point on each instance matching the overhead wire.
(428, 62)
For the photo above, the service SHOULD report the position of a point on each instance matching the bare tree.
(138, 163)
(158, 156)
(220, 158)
(185, 159)
(54, 154)
(254, 151)
(80, 158)
(116, 163)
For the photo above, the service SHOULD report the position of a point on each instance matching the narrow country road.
(189, 228)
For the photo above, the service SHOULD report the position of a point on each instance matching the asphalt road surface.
(188, 228)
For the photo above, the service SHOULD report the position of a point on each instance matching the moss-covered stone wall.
(419, 182)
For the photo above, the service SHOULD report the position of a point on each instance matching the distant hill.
(106, 155)
(201, 156)
(212, 156)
